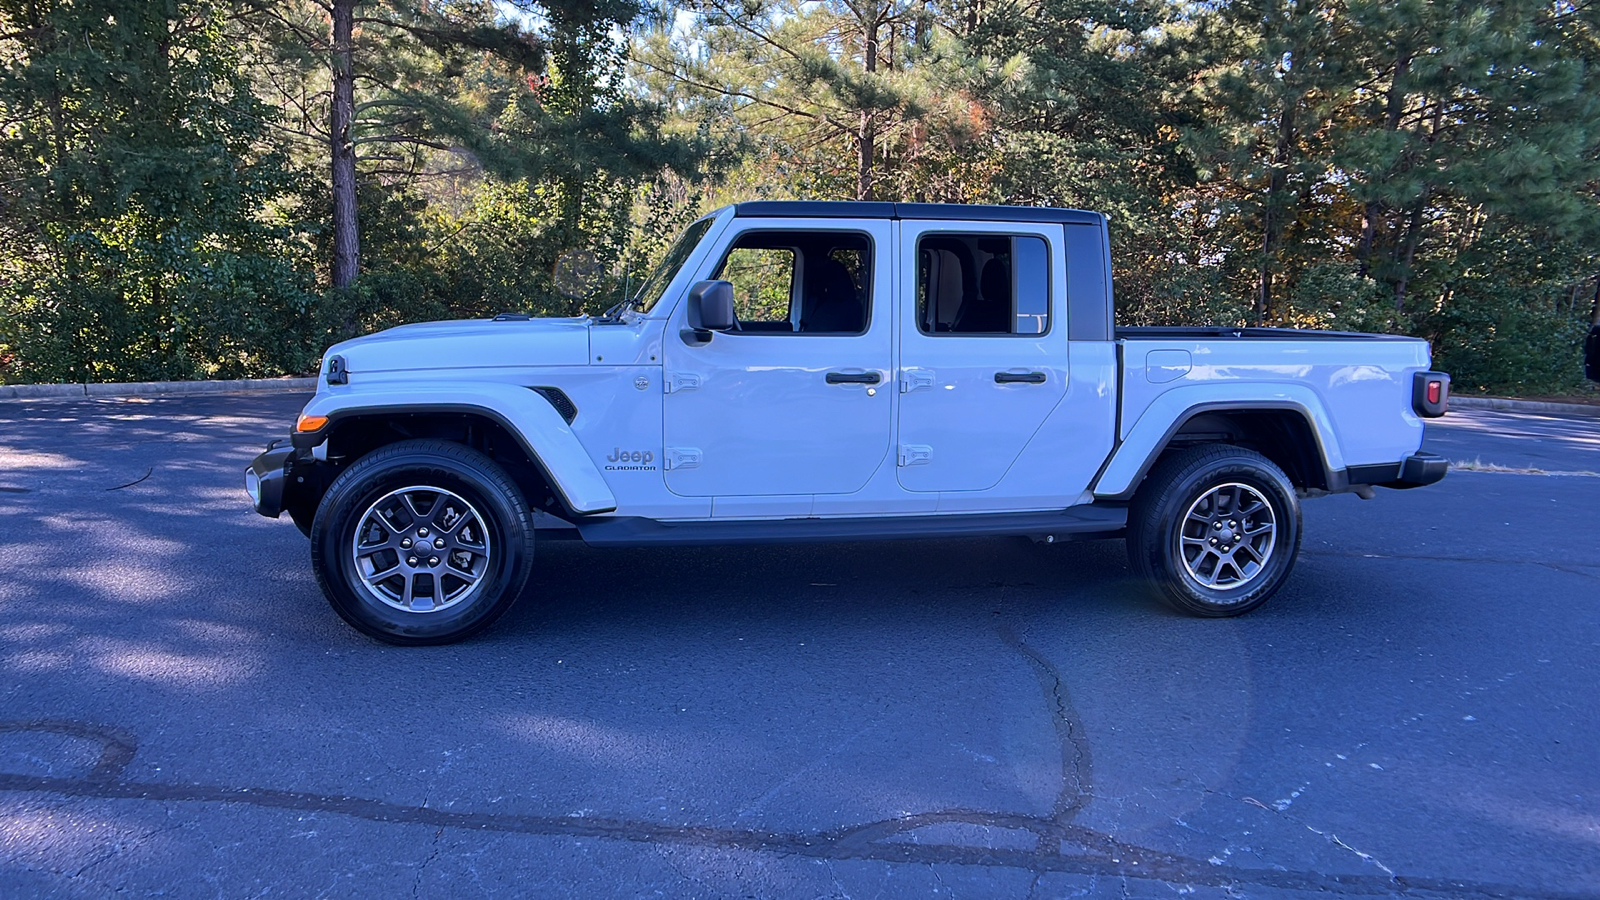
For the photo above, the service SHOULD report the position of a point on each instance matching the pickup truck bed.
(1184, 382)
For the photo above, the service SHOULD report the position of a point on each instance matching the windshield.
(656, 285)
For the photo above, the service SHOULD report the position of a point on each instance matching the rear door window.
(983, 284)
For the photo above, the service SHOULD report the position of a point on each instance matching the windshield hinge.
(679, 381)
(915, 380)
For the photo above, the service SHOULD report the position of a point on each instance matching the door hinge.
(915, 454)
(915, 380)
(680, 381)
(682, 458)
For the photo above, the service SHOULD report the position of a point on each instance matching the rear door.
(983, 348)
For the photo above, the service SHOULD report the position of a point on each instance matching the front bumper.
(267, 476)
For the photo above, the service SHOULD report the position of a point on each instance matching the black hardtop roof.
(869, 209)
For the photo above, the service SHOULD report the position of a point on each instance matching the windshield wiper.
(614, 315)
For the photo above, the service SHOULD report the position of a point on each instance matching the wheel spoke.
(456, 547)
(1238, 571)
(410, 500)
(464, 573)
(379, 575)
(1221, 522)
(390, 542)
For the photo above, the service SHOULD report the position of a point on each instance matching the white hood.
(468, 344)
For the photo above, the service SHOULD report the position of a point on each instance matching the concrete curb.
(124, 389)
(1528, 406)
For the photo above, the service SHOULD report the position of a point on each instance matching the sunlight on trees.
(220, 188)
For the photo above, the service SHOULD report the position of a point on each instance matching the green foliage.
(763, 283)
(167, 306)
(499, 253)
(143, 242)
(1418, 166)
(1497, 339)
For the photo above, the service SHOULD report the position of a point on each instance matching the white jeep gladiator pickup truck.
(810, 371)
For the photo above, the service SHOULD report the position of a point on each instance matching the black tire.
(476, 514)
(1187, 536)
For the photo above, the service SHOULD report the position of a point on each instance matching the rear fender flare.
(546, 438)
(1166, 415)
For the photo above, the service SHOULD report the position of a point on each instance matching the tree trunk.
(866, 134)
(58, 113)
(1271, 222)
(865, 137)
(1407, 250)
(1391, 123)
(346, 225)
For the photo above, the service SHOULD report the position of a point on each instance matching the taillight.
(1430, 394)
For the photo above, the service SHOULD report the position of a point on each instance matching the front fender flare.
(1168, 412)
(545, 436)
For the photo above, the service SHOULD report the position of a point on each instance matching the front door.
(796, 400)
(983, 349)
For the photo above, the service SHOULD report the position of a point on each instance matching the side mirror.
(710, 309)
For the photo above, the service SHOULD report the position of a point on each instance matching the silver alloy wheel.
(421, 549)
(1227, 537)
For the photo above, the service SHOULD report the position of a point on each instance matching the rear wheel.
(422, 542)
(1216, 529)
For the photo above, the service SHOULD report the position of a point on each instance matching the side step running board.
(626, 531)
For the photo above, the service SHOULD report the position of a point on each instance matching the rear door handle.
(854, 377)
(1019, 378)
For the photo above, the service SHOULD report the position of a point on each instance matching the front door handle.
(854, 377)
(1019, 378)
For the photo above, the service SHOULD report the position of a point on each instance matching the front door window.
(800, 282)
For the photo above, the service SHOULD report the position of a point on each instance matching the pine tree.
(391, 75)
(829, 90)
(406, 91)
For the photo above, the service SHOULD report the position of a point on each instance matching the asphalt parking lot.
(181, 713)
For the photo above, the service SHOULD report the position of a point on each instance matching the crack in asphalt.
(147, 473)
(1133, 861)
(1077, 786)
(1334, 839)
(1098, 854)
(416, 885)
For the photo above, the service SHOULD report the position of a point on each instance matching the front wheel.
(422, 542)
(1216, 529)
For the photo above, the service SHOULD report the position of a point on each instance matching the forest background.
(222, 188)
